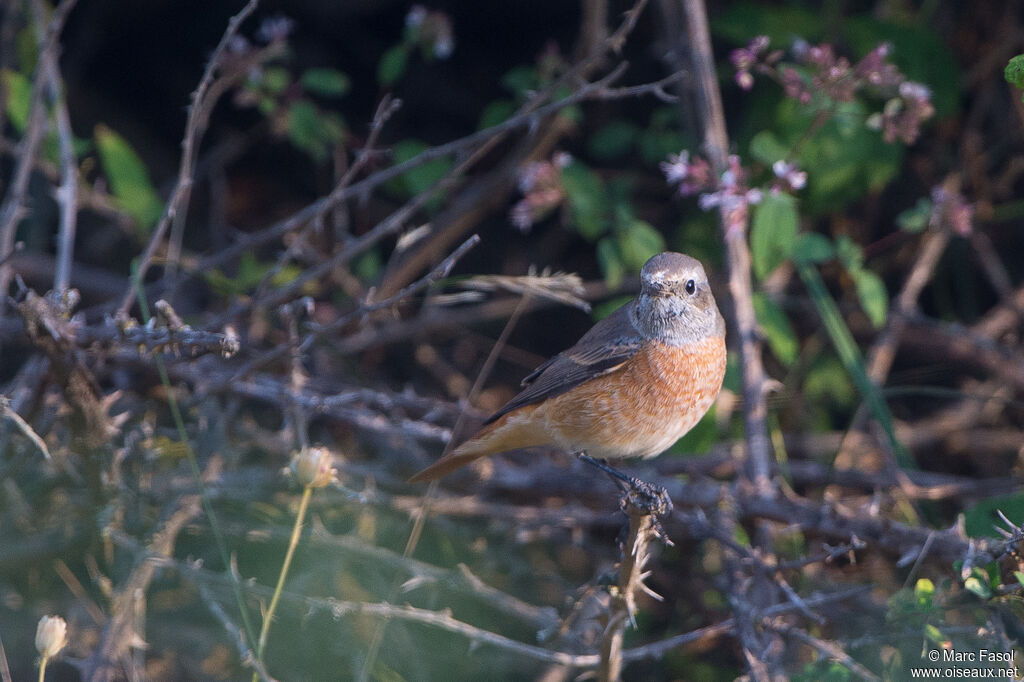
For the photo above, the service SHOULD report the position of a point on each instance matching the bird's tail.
(512, 431)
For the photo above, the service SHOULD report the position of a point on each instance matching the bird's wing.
(602, 350)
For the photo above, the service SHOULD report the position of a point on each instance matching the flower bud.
(51, 636)
(312, 468)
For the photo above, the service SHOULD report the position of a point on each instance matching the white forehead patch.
(658, 275)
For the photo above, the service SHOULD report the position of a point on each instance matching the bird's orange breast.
(642, 408)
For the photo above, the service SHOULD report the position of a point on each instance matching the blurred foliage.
(288, 102)
(129, 179)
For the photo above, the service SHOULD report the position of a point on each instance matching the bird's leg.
(649, 498)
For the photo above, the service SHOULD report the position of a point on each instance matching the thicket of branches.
(209, 414)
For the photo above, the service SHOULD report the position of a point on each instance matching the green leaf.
(661, 136)
(276, 79)
(610, 260)
(422, 177)
(849, 252)
(612, 140)
(980, 518)
(766, 148)
(924, 593)
(933, 634)
(392, 64)
(812, 247)
(368, 265)
(1014, 71)
(129, 179)
(977, 586)
(18, 95)
(874, 299)
(780, 22)
(828, 384)
(325, 82)
(638, 241)
(1019, 575)
(773, 233)
(495, 112)
(655, 145)
(853, 361)
(843, 159)
(307, 129)
(588, 201)
(916, 219)
(520, 79)
(777, 329)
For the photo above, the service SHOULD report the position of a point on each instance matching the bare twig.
(657, 650)
(13, 206)
(622, 609)
(23, 426)
(829, 650)
(441, 271)
(67, 192)
(153, 339)
(762, 657)
(734, 231)
(314, 212)
(198, 117)
(444, 621)
(120, 635)
(245, 652)
(882, 353)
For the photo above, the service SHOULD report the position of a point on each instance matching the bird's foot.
(647, 498)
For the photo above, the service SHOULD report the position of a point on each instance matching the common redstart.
(631, 387)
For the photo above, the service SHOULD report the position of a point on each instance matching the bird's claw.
(650, 499)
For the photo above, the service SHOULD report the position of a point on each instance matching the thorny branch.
(762, 654)
(338, 609)
(12, 209)
(198, 117)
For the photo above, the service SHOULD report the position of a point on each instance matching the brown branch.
(828, 650)
(733, 225)
(441, 271)
(67, 192)
(120, 635)
(185, 341)
(319, 208)
(643, 529)
(657, 650)
(760, 649)
(883, 351)
(444, 621)
(46, 322)
(959, 345)
(491, 190)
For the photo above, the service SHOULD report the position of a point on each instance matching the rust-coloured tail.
(512, 431)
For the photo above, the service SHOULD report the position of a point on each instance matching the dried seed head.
(312, 467)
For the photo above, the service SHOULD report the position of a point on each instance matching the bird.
(631, 386)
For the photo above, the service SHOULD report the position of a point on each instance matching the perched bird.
(631, 387)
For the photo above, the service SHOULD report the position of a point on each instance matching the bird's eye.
(691, 287)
